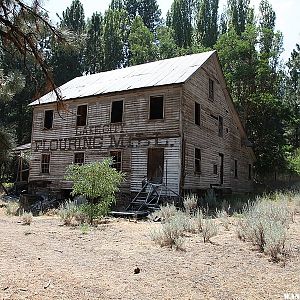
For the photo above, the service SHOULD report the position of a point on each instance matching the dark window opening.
(156, 107)
(235, 168)
(155, 165)
(116, 115)
(48, 119)
(250, 172)
(45, 163)
(221, 156)
(197, 160)
(79, 158)
(221, 126)
(197, 113)
(81, 115)
(211, 93)
(215, 169)
(117, 160)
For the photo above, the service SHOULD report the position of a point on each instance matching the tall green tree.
(67, 59)
(238, 11)
(141, 43)
(73, 17)
(207, 22)
(167, 47)
(94, 48)
(115, 35)
(150, 13)
(180, 19)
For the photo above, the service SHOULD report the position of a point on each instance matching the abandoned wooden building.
(170, 121)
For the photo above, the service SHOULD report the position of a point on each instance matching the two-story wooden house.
(172, 121)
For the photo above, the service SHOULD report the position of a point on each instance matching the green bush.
(97, 182)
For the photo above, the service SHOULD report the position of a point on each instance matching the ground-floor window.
(79, 158)
(117, 159)
(45, 163)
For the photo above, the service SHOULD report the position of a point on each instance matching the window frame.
(163, 107)
(197, 104)
(197, 159)
(79, 163)
(45, 163)
(117, 162)
(44, 127)
(111, 108)
(86, 117)
(250, 175)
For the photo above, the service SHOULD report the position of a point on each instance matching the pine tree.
(73, 17)
(150, 13)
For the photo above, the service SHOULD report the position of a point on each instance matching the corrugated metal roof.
(158, 73)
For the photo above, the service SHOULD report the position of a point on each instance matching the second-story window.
(211, 91)
(81, 115)
(116, 115)
(197, 113)
(156, 107)
(48, 119)
(221, 126)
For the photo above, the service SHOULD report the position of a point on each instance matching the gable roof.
(158, 73)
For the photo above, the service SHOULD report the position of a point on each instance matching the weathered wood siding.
(206, 138)
(132, 137)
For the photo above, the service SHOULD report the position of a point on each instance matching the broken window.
(197, 113)
(45, 164)
(156, 107)
(235, 168)
(197, 160)
(211, 92)
(79, 158)
(116, 115)
(81, 115)
(221, 126)
(215, 169)
(249, 171)
(48, 119)
(117, 159)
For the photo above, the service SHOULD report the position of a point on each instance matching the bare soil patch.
(49, 261)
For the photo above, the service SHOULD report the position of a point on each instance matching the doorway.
(155, 165)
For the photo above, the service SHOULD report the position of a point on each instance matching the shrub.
(67, 212)
(169, 235)
(27, 218)
(80, 216)
(84, 228)
(210, 199)
(198, 220)
(12, 208)
(93, 211)
(190, 203)
(224, 218)
(166, 212)
(209, 230)
(98, 182)
(265, 224)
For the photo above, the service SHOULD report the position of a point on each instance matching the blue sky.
(287, 12)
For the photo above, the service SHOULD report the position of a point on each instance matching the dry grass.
(48, 261)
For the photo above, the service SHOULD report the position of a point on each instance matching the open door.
(155, 165)
(221, 164)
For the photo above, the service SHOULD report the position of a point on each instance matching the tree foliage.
(96, 181)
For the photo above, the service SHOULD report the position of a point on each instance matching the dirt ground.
(48, 261)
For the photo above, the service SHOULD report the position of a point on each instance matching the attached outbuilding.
(170, 121)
